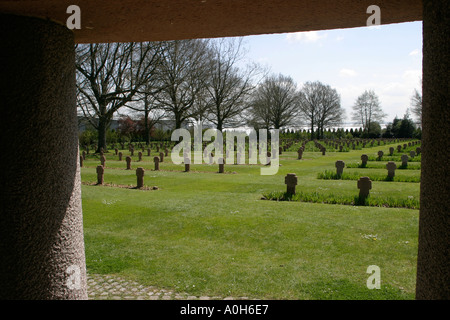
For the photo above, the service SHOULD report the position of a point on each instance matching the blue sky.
(386, 59)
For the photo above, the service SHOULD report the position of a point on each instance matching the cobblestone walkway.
(107, 287)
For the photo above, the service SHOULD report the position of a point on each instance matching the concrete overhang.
(154, 20)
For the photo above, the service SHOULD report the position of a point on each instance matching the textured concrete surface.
(41, 227)
(150, 20)
(433, 268)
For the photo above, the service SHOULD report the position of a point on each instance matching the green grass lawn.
(206, 233)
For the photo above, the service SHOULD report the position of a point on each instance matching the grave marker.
(391, 166)
(364, 186)
(100, 171)
(291, 181)
(339, 167)
(140, 177)
(156, 160)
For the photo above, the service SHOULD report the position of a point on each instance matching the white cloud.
(415, 52)
(347, 72)
(307, 36)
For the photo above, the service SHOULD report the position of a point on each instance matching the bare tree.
(109, 76)
(199, 109)
(147, 108)
(367, 110)
(227, 85)
(310, 102)
(181, 75)
(275, 102)
(329, 112)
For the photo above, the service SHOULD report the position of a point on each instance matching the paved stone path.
(107, 287)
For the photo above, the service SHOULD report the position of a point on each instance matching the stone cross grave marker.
(364, 185)
(391, 166)
(404, 160)
(339, 167)
(291, 181)
(364, 159)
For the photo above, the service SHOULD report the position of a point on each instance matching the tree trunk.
(102, 125)
(178, 121)
(146, 126)
(219, 124)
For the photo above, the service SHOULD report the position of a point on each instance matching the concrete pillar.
(41, 227)
(433, 269)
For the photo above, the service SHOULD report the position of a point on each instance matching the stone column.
(41, 221)
(433, 272)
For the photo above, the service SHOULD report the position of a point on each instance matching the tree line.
(203, 81)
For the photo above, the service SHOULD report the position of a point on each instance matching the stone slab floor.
(107, 287)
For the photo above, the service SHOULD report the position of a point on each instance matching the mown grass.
(207, 233)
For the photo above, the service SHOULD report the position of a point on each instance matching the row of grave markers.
(364, 184)
(139, 173)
